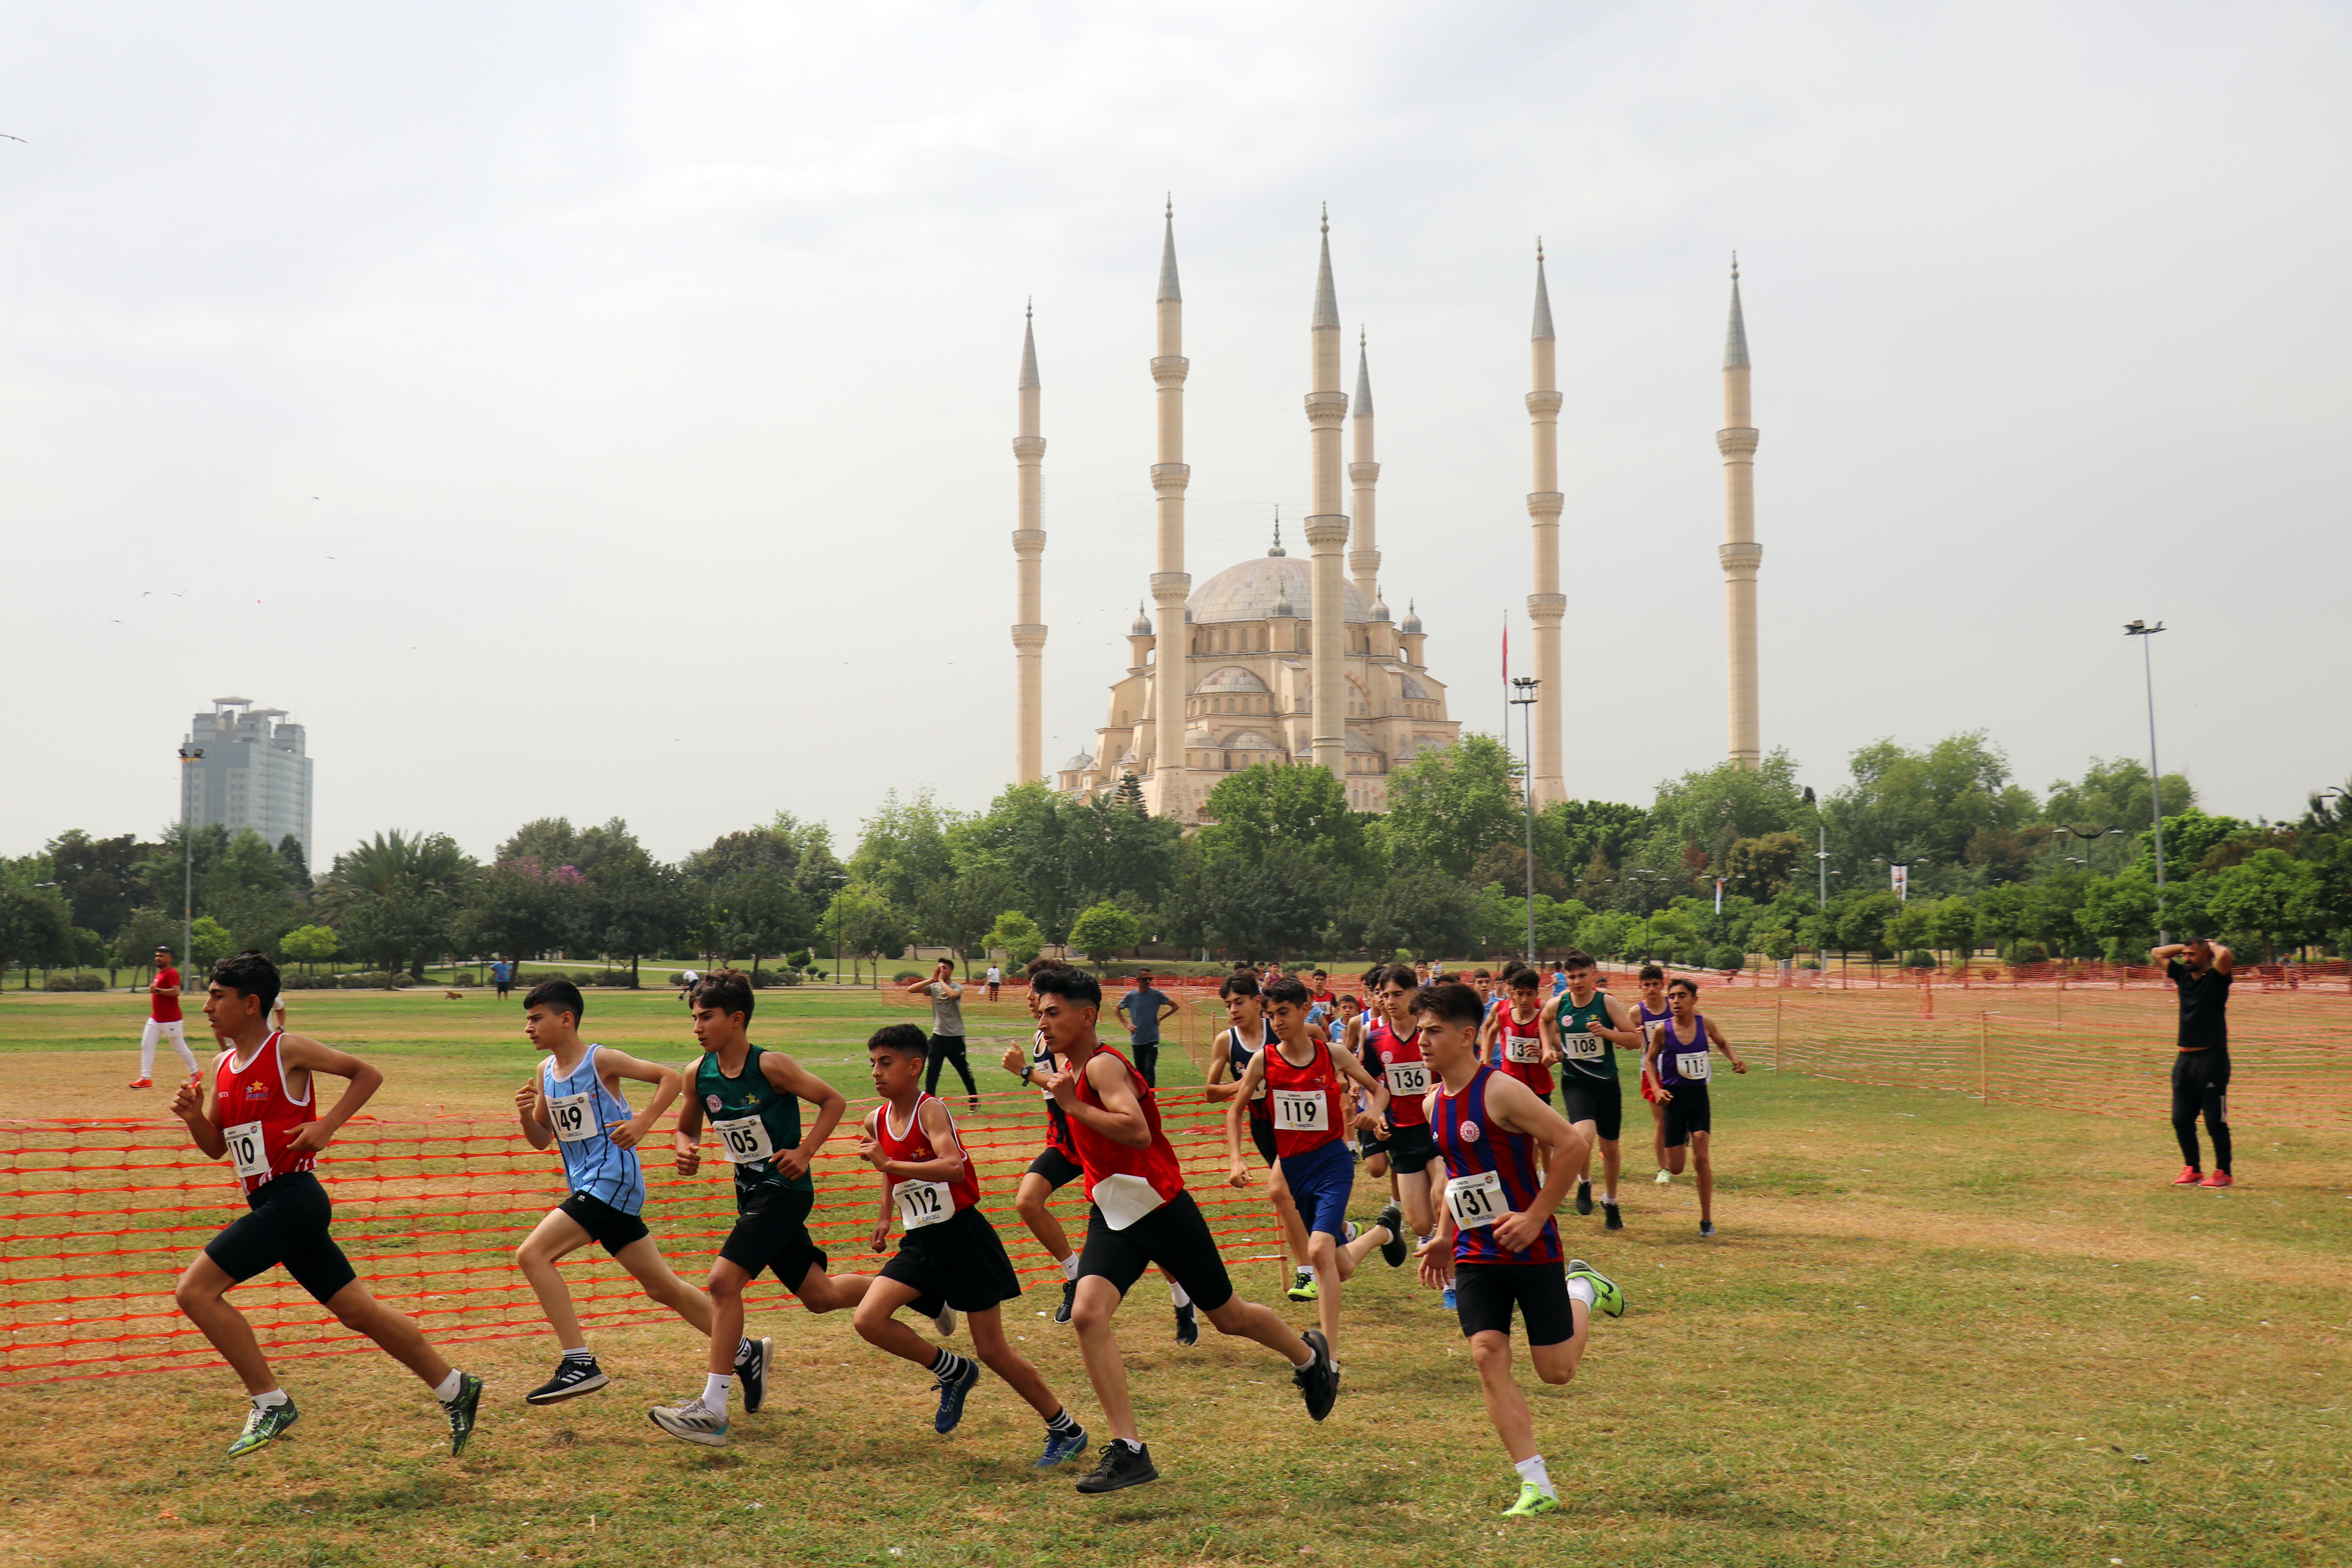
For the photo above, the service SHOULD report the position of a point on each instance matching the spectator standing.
(947, 1029)
(2200, 971)
(164, 1020)
(1145, 1008)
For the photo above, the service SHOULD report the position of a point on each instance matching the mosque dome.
(1247, 592)
(1078, 763)
(1411, 626)
(1247, 741)
(1229, 678)
(1143, 627)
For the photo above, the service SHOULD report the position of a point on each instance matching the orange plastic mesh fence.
(100, 1217)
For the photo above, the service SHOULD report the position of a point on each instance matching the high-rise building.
(255, 773)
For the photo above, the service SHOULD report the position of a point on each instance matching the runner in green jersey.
(1582, 1027)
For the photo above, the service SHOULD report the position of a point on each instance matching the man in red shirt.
(162, 1018)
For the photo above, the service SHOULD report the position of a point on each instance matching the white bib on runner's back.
(1124, 1199)
(248, 1150)
(1475, 1201)
(745, 1139)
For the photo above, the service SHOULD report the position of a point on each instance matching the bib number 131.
(1476, 1200)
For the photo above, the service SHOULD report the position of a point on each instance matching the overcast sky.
(606, 410)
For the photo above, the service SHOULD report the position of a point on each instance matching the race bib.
(1301, 1110)
(923, 1202)
(1691, 1066)
(745, 1139)
(1581, 1048)
(1522, 1049)
(573, 1117)
(1408, 1078)
(246, 1151)
(1124, 1199)
(1476, 1200)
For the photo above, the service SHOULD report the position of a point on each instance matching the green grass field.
(1931, 1332)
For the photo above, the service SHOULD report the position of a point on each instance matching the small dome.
(1142, 628)
(1229, 678)
(1080, 763)
(1411, 626)
(1247, 592)
(1282, 610)
(1247, 741)
(1379, 604)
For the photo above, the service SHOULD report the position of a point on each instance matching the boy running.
(1674, 1057)
(1497, 1243)
(574, 1102)
(1138, 1214)
(1392, 1049)
(1513, 1034)
(1307, 1083)
(948, 1249)
(259, 1107)
(753, 1098)
(163, 1021)
(1229, 1053)
(1583, 1026)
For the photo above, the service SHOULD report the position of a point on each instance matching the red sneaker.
(2218, 1179)
(2189, 1178)
(143, 1083)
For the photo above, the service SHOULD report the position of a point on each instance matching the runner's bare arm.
(948, 1161)
(1220, 1086)
(666, 1084)
(1625, 1029)
(192, 1103)
(1119, 1118)
(1714, 1037)
(1650, 1036)
(1236, 1111)
(1514, 1107)
(530, 1110)
(881, 1236)
(783, 1073)
(1374, 1117)
(307, 1054)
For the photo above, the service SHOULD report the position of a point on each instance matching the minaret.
(1171, 584)
(1546, 606)
(1029, 550)
(1327, 527)
(1364, 560)
(1739, 553)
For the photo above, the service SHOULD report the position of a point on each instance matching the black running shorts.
(1058, 1169)
(609, 1228)
(1174, 1235)
(1687, 1113)
(1598, 1101)
(961, 1260)
(1409, 1149)
(771, 1233)
(287, 1222)
(1484, 1294)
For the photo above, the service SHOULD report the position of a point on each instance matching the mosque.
(1290, 660)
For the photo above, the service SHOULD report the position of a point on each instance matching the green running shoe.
(1605, 1294)
(1532, 1502)
(262, 1427)
(461, 1410)
(1303, 1289)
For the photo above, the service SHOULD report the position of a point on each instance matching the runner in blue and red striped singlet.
(1496, 1242)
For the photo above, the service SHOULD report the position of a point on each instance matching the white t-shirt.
(995, 975)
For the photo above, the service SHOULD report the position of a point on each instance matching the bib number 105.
(745, 1140)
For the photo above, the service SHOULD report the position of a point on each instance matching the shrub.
(1812, 963)
(466, 979)
(1920, 959)
(804, 959)
(74, 982)
(772, 977)
(906, 975)
(1730, 956)
(2029, 953)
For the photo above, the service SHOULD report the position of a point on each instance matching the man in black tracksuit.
(2199, 971)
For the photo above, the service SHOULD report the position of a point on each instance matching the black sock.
(950, 1367)
(1061, 1424)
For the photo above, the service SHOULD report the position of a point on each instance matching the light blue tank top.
(592, 1165)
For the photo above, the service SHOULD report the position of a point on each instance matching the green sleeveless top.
(750, 1115)
(1580, 1052)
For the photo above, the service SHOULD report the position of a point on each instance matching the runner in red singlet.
(1392, 1049)
(1138, 1214)
(1512, 1037)
(260, 1110)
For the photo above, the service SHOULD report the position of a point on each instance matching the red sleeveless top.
(1519, 1049)
(257, 1116)
(1101, 1158)
(914, 1145)
(1402, 1063)
(1308, 1103)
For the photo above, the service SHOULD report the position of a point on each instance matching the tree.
(2053, 913)
(1709, 811)
(520, 907)
(865, 923)
(2269, 897)
(1105, 930)
(1282, 905)
(1448, 805)
(397, 898)
(136, 940)
(246, 890)
(1017, 936)
(1765, 866)
(1926, 806)
(2189, 839)
(1952, 926)
(2001, 917)
(297, 865)
(98, 877)
(903, 847)
(2120, 910)
(308, 943)
(1293, 804)
(1862, 921)
(638, 905)
(1572, 835)
(1423, 911)
(211, 942)
(2114, 793)
(36, 927)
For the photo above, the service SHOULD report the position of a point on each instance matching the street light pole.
(2142, 630)
(189, 756)
(1523, 697)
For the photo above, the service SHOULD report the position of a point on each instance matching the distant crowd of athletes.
(1440, 1088)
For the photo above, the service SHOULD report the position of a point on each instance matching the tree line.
(1724, 863)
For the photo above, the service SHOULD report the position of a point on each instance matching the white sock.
(1176, 1294)
(1070, 1267)
(271, 1400)
(578, 1352)
(1531, 1470)
(448, 1391)
(1580, 1289)
(714, 1392)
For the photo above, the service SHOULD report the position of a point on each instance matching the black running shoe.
(574, 1377)
(953, 1392)
(1584, 1197)
(1121, 1466)
(461, 1410)
(1318, 1380)
(1614, 1220)
(1069, 1299)
(1393, 1249)
(1188, 1325)
(752, 1372)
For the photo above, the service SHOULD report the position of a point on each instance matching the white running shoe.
(946, 1321)
(692, 1422)
(1665, 1178)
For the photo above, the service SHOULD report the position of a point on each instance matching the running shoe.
(1350, 1230)
(1318, 1380)
(1122, 1465)
(1584, 1197)
(460, 1411)
(1069, 1299)
(1062, 1450)
(143, 1083)
(751, 1373)
(944, 1320)
(263, 1426)
(2218, 1179)
(692, 1422)
(953, 1390)
(1606, 1296)
(1705, 1228)
(1188, 1325)
(1532, 1500)
(2191, 1176)
(1613, 1219)
(1303, 1287)
(1393, 1249)
(1450, 1301)
(574, 1377)
(1665, 1178)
